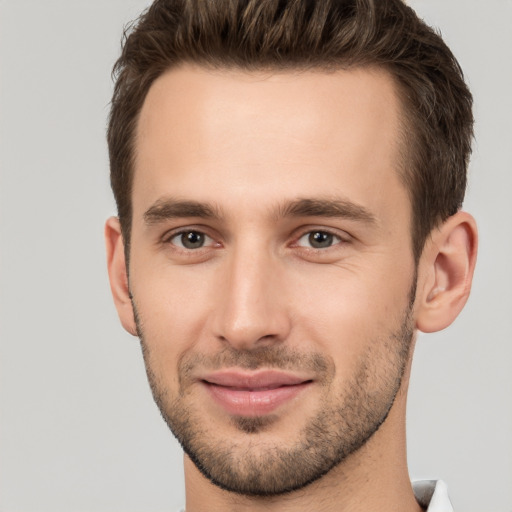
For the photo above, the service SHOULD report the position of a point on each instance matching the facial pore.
(343, 422)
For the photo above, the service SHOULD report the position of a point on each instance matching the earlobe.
(118, 275)
(448, 262)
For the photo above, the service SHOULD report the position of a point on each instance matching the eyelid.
(343, 236)
(177, 236)
(169, 235)
(336, 240)
(214, 239)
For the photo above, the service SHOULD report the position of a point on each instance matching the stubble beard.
(340, 427)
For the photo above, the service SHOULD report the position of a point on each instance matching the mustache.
(260, 357)
(273, 357)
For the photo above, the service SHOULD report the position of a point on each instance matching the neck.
(373, 478)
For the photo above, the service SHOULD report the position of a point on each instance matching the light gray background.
(79, 430)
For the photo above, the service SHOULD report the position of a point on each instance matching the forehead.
(267, 133)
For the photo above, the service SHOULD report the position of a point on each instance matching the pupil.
(320, 239)
(192, 240)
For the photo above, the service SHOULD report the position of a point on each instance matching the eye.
(318, 239)
(191, 240)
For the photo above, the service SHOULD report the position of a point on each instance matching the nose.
(251, 309)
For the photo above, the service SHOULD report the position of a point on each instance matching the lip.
(253, 393)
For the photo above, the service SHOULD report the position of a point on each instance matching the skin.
(250, 147)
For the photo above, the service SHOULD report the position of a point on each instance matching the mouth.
(256, 393)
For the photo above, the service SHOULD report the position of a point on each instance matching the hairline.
(406, 138)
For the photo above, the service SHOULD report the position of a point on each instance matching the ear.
(118, 275)
(446, 272)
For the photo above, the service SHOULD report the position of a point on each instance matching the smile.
(255, 394)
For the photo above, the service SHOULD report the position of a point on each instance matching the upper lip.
(263, 379)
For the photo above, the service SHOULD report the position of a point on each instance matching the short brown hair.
(308, 34)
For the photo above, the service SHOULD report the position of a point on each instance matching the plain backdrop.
(79, 430)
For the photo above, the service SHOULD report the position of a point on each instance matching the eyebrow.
(169, 208)
(327, 208)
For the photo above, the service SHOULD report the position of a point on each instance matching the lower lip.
(253, 403)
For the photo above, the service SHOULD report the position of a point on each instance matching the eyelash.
(168, 237)
(338, 239)
(335, 239)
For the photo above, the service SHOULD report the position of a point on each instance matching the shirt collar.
(433, 495)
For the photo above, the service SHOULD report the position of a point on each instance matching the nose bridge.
(250, 310)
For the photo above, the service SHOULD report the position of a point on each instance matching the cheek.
(346, 311)
(174, 307)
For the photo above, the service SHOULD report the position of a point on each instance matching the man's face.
(271, 267)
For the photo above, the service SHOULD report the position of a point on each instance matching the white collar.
(432, 494)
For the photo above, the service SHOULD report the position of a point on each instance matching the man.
(289, 177)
